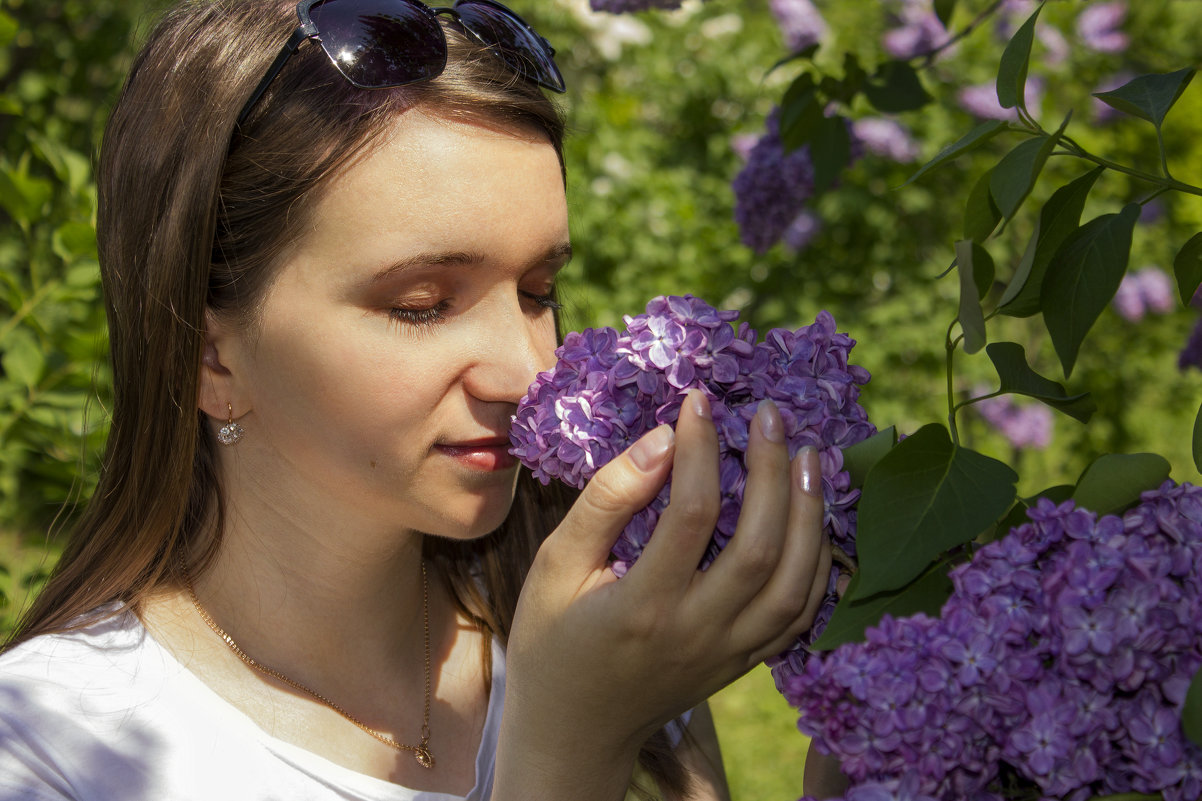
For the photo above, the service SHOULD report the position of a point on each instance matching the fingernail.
(649, 452)
(768, 418)
(701, 406)
(809, 479)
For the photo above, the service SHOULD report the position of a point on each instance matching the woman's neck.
(328, 597)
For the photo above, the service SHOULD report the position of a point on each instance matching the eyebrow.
(560, 253)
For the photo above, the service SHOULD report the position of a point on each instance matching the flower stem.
(951, 390)
(1074, 149)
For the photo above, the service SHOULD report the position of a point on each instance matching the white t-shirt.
(105, 713)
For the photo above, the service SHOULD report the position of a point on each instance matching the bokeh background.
(664, 109)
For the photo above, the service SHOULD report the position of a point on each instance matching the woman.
(299, 576)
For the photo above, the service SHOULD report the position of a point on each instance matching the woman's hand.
(595, 665)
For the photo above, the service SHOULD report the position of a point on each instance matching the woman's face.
(405, 325)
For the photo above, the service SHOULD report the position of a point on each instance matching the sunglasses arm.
(305, 31)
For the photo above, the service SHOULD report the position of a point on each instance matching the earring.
(231, 432)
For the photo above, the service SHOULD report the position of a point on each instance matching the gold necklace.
(421, 752)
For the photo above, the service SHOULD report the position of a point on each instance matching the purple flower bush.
(800, 22)
(629, 6)
(1099, 27)
(1058, 668)
(772, 189)
(1024, 426)
(609, 388)
(1142, 291)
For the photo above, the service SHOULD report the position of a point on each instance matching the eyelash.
(435, 314)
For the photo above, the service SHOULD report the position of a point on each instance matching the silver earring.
(231, 432)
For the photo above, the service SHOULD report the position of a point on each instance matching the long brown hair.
(193, 210)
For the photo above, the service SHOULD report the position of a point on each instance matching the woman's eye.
(546, 301)
(430, 315)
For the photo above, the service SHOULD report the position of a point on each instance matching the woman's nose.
(513, 350)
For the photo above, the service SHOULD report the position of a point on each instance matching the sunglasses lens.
(510, 38)
(381, 43)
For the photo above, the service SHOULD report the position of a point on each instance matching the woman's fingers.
(687, 524)
(813, 604)
(785, 596)
(753, 555)
(611, 498)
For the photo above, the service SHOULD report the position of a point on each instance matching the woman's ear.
(221, 393)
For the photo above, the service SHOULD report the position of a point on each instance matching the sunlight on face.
(404, 327)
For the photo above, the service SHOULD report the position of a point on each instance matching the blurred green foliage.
(655, 101)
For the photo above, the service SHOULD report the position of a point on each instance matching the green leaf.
(1114, 481)
(1187, 266)
(1083, 277)
(801, 55)
(1012, 72)
(1197, 441)
(1015, 175)
(923, 497)
(1149, 97)
(830, 151)
(1058, 219)
(944, 10)
(24, 196)
(73, 240)
(858, 459)
(23, 361)
(1191, 712)
(855, 614)
(981, 215)
(1010, 361)
(970, 141)
(895, 88)
(1022, 273)
(800, 113)
(976, 269)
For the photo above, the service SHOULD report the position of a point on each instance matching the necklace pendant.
(423, 757)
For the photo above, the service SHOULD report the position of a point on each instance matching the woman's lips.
(484, 454)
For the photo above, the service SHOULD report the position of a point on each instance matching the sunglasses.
(377, 44)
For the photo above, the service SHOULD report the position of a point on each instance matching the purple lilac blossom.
(628, 6)
(1147, 290)
(1191, 353)
(1098, 26)
(1025, 426)
(919, 31)
(772, 188)
(1057, 669)
(980, 100)
(802, 231)
(885, 137)
(609, 388)
(800, 23)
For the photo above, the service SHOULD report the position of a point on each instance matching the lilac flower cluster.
(772, 188)
(628, 6)
(1100, 27)
(1057, 669)
(1024, 426)
(918, 31)
(1146, 290)
(886, 137)
(1191, 353)
(800, 22)
(609, 388)
(980, 100)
